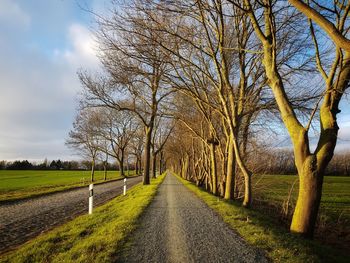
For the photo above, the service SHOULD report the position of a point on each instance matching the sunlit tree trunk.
(147, 158)
(214, 178)
(230, 177)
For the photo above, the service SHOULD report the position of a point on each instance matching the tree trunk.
(246, 174)
(213, 169)
(309, 198)
(146, 176)
(154, 165)
(105, 170)
(184, 170)
(92, 169)
(121, 166)
(161, 163)
(136, 166)
(140, 164)
(230, 176)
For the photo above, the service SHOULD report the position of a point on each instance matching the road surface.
(179, 227)
(23, 220)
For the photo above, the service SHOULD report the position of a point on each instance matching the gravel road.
(23, 220)
(179, 227)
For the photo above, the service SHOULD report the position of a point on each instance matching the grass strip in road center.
(265, 233)
(90, 238)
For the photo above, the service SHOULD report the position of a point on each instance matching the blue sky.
(42, 45)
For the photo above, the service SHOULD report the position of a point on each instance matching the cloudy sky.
(42, 45)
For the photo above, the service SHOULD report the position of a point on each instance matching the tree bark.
(230, 177)
(246, 174)
(161, 163)
(121, 164)
(309, 198)
(146, 176)
(105, 170)
(92, 169)
(214, 178)
(338, 38)
(154, 165)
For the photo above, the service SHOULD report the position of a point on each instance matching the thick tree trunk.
(309, 198)
(146, 176)
(214, 179)
(154, 165)
(247, 190)
(121, 166)
(230, 176)
(140, 164)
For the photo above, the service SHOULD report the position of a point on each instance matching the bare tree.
(84, 136)
(135, 67)
(118, 128)
(310, 165)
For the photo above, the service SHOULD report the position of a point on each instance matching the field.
(23, 184)
(90, 238)
(335, 201)
(263, 230)
(333, 226)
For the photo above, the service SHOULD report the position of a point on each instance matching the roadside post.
(124, 187)
(91, 198)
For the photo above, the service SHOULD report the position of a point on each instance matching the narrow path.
(23, 220)
(179, 227)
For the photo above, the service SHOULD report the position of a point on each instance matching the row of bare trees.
(103, 133)
(213, 77)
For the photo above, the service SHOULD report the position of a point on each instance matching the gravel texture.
(23, 220)
(179, 227)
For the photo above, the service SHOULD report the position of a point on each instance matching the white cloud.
(83, 50)
(12, 13)
(37, 90)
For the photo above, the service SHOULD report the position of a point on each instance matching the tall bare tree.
(310, 165)
(84, 136)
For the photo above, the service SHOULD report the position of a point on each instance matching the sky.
(43, 43)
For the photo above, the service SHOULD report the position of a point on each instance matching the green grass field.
(335, 202)
(90, 238)
(26, 183)
(264, 231)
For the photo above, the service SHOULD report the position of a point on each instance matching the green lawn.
(335, 202)
(26, 183)
(264, 231)
(90, 238)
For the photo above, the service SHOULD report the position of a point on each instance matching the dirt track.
(179, 227)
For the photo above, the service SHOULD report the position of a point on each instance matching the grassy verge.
(335, 193)
(16, 185)
(90, 238)
(264, 232)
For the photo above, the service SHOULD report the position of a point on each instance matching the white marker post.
(124, 188)
(91, 198)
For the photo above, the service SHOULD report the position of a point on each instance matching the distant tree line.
(271, 162)
(282, 162)
(56, 165)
